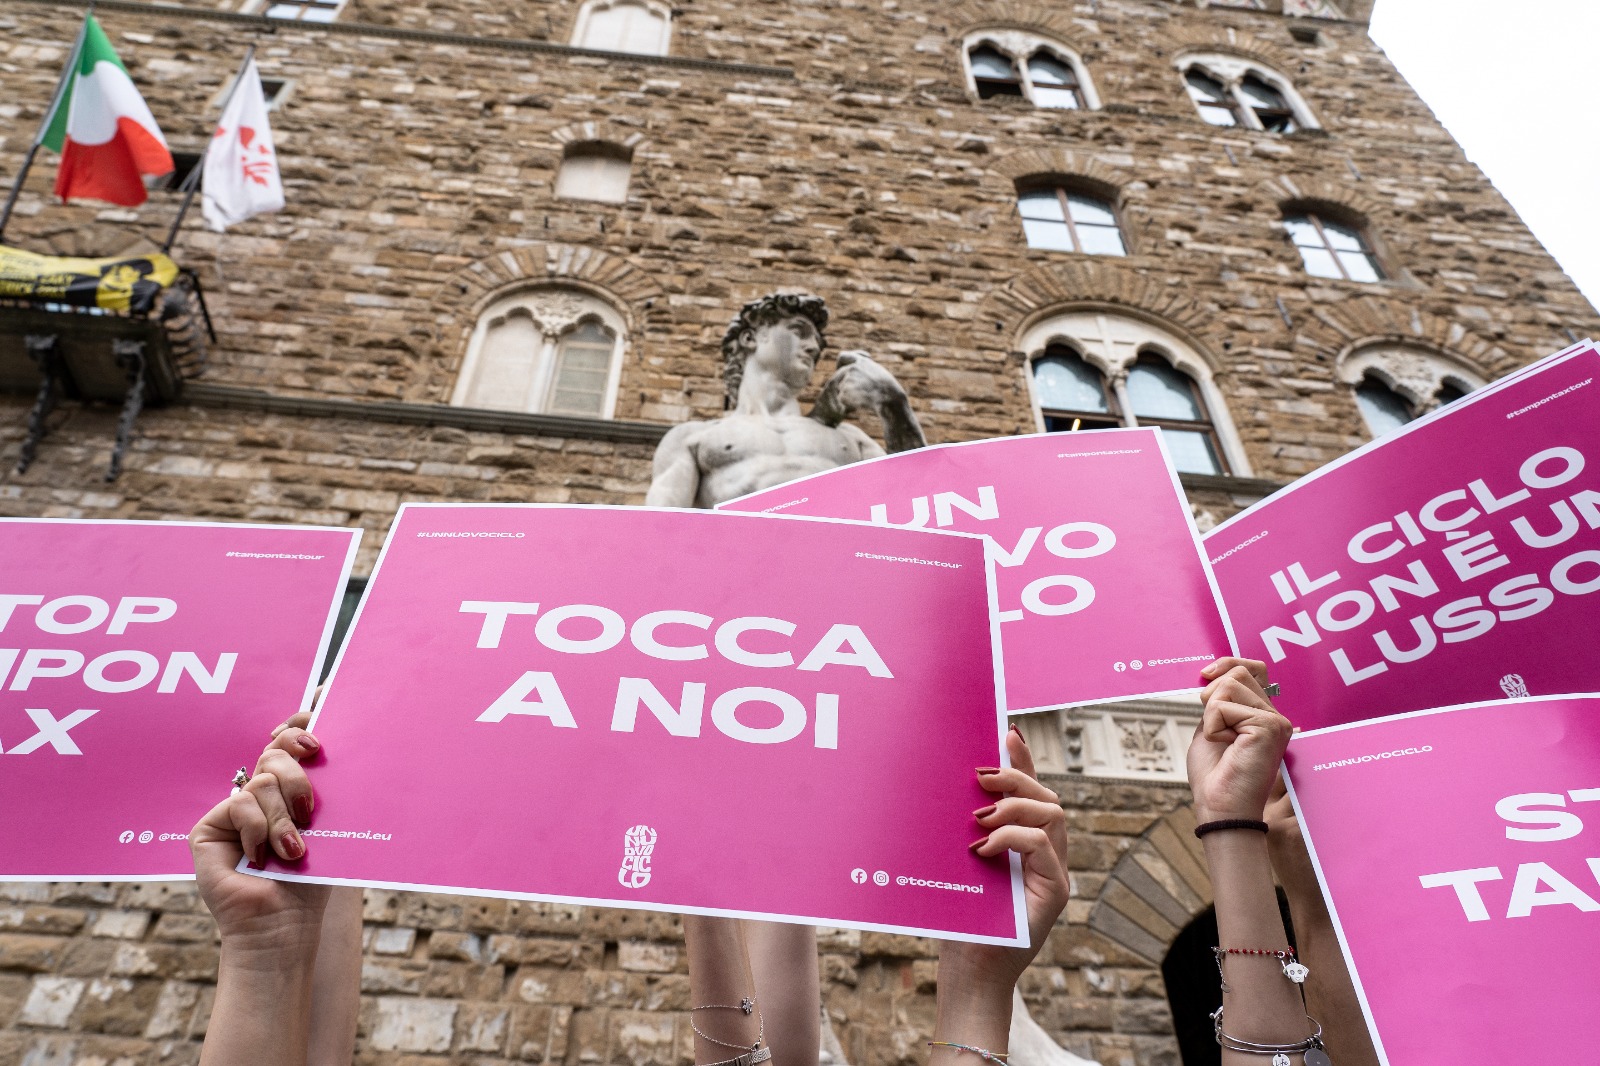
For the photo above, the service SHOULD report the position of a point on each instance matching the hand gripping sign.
(1103, 590)
(1459, 850)
(118, 639)
(1455, 559)
(674, 710)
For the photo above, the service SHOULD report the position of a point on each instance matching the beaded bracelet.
(1293, 969)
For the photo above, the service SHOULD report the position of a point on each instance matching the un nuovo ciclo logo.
(638, 844)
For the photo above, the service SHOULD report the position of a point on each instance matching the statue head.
(757, 319)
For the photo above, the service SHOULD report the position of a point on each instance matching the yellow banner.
(123, 284)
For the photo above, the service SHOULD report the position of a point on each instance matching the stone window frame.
(580, 26)
(557, 310)
(603, 149)
(1417, 375)
(334, 9)
(1067, 185)
(1087, 331)
(1019, 46)
(1320, 214)
(1231, 71)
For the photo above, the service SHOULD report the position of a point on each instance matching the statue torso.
(739, 454)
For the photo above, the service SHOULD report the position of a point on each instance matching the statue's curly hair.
(764, 312)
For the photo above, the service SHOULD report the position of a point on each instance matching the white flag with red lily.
(241, 170)
(103, 129)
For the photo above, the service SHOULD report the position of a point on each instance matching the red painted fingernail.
(988, 770)
(302, 810)
(291, 845)
(1018, 732)
(976, 844)
(260, 859)
(984, 812)
(309, 742)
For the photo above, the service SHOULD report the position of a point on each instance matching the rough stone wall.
(845, 157)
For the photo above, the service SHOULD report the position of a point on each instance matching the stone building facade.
(514, 234)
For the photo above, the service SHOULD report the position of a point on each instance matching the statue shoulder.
(680, 436)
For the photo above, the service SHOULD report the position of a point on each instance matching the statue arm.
(861, 383)
(675, 472)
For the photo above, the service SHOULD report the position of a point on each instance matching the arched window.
(544, 351)
(1016, 63)
(1395, 383)
(1071, 394)
(1383, 409)
(1212, 98)
(1060, 219)
(643, 27)
(1272, 111)
(1161, 395)
(1333, 249)
(1094, 370)
(595, 170)
(993, 73)
(1231, 91)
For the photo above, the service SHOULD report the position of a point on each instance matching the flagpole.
(49, 115)
(191, 181)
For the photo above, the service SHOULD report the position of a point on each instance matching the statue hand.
(860, 383)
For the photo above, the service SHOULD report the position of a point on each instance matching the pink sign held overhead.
(669, 710)
(1103, 590)
(1459, 850)
(173, 647)
(1456, 559)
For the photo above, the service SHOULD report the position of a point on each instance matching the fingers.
(1254, 667)
(1013, 782)
(301, 720)
(295, 740)
(1226, 722)
(280, 832)
(1013, 810)
(1239, 686)
(291, 782)
(1017, 747)
(1038, 853)
(237, 827)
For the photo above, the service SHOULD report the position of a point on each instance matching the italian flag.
(105, 133)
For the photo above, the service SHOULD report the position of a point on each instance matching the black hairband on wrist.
(1229, 823)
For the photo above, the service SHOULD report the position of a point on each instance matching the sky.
(1517, 84)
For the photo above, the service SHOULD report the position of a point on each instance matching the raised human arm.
(1330, 993)
(674, 472)
(270, 929)
(1233, 761)
(783, 965)
(975, 981)
(720, 986)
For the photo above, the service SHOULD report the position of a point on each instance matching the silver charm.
(1317, 1057)
(1295, 971)
(1280, 1059)
(747, 1004)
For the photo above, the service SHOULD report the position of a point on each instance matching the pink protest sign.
(1453, 560)
(1457, 850)
(672, 710)
(1103, 590)
(164, 649)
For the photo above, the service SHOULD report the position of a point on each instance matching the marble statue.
(769, 355)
